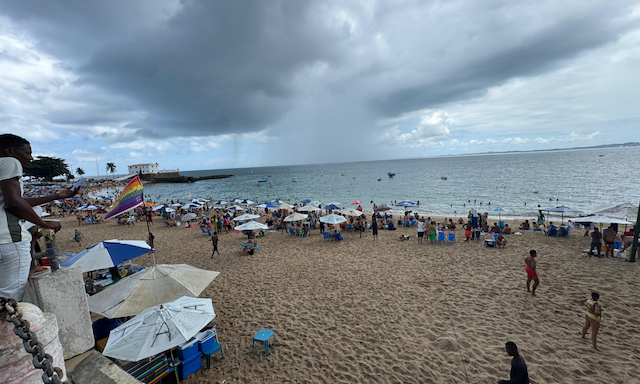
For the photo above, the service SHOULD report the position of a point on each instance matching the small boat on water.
(295, 178)
(262, 181)
(601, 155)
(443, 178)
(391, 174)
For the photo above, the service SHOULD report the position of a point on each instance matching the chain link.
(41, 360)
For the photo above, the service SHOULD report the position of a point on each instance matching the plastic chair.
(264, 335)
(452, 237)
(313, 224)
(440, 236)
(326, 235)
(339, 237)
(291, 231)
(501, 224)
(350, 227)
(406, 223)
(553, 231)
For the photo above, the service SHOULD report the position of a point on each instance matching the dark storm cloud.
(166, 68)
(539, 53)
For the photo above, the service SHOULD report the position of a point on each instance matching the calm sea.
(585, 179)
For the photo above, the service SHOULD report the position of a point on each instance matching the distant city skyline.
(220, 85)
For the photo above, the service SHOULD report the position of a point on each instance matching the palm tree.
(80, 172)
(111, 168)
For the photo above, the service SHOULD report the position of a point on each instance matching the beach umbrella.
(251, 226)
(176, 205)
(331, 207)
(406, 204)
(308, 208)
(350, 212)
(264, 205)
(499, 210)
(236, 201)
(383, 208)
(355, 202)
(189, 216)
(333, 219)
(91, 207)
(148, 204)
(295, 217)
(237, 208)
(158, 208)
(601, 220)
(277, 201)
(107, 254)
(159, 328)
(246, 202)
(283, 205)
(169, 210)
(246, 216)
(151, 286)
(562, 209)
(306, 201)
(625, 211)
(221, 202)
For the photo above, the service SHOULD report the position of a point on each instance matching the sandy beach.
(402, 312)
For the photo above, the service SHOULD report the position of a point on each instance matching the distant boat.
(295, 178)
(379, 179)
(262, 181)
(391, 174)
(443, 178)
(601, 155)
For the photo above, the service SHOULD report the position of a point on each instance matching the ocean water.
(581, 179)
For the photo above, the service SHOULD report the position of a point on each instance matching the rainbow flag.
(130, 198)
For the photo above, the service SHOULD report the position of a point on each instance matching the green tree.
(47, 168)
(80, 172)
(111, 168)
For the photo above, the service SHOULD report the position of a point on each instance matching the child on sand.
(77, 237)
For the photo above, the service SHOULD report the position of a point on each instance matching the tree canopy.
(80, 172)
(47, 168)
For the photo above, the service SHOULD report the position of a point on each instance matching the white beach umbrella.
(296, 217)
(308, 208)
(157, 208)
(285, 206)
(176, 205)
(170, 210)
(237, 208)
(189, 216)
(600, 220)
(251, 226)
(91, 207)
(333, 219)
(625, 211)
(152, 286)
(159, 328)
(350, 212)
(246, 216)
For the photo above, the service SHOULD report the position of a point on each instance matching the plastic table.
(264, 335)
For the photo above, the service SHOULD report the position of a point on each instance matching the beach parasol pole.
(146, 218)
(634, 247)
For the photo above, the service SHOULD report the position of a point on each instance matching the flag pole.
(146, 218)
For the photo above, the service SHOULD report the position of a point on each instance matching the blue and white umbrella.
(562, 209)
(221, 202)
(264, 205)
(407, 204)
(306, 201)
(331, 207)
(107, 254)
(499, 210)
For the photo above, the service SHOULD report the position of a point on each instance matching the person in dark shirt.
(214, 241)
(519, 374)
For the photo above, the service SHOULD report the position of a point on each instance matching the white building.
(143, 168)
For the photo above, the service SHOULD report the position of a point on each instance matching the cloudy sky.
(222, 84)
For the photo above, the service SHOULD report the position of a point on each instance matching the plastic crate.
(206, 339)
(188, 349)
(190, 365)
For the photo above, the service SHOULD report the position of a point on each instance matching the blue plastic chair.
(264, 335)
(501, 224)
(215, 346)
(313, 224)
(413, 222)
(553, 231)
(452, 237)
(495, 237)
(440, 236)
(406, 223)
(350, 227)
(291, 231)
(326, 235)
(339, 237)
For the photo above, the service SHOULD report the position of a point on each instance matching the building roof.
(137, 165)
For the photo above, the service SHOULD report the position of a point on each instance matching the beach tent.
(333, 219)
(599, 219)
(159, 328)
(251, 226)
(562, 209)
(151, 286)
(246, 216)
(107, 254)
(295, 217)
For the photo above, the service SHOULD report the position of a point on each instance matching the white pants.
(15, 262)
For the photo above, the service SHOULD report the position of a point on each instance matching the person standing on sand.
(532, 273)
(467, 230)
(593, 317)
(609, 237)
(420, 231)
(374, 227)
(519, 373)
(214, 241)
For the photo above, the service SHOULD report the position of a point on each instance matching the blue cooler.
(188, 350)
(617, 245)
(206, 340)
(191, 365)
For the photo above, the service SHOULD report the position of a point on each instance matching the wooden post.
(634, 247)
